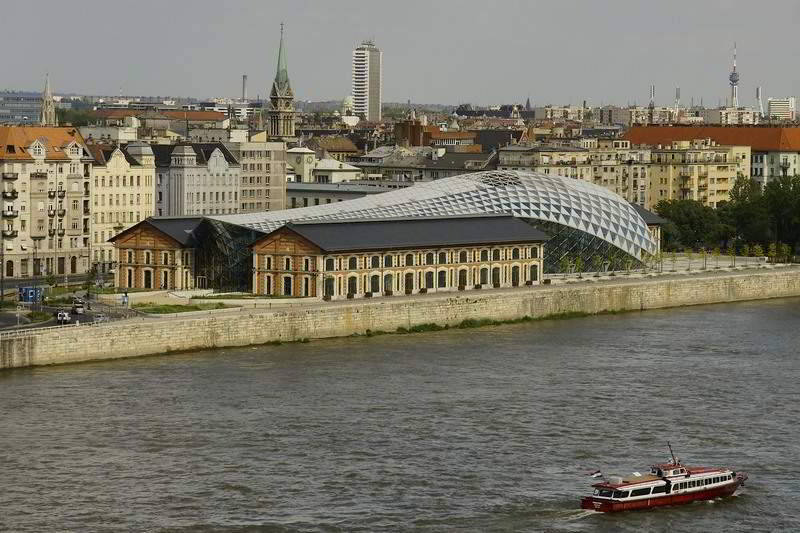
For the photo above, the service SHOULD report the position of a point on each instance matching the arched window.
(462, 278)
(484, 276)
(375, 284)
(352, 285)
(534, 272)
(534, 252)
(495, 255)
(515, 276)
(352, 263)
(428, 280)
(330, 264)
(388, 282)
(484, 255)
(462, 256)
(429, 258)
(442, 278)
(387, 260)
(515, 253)
(442, 258)
(375, 261)
(409, 259)
(496, 276)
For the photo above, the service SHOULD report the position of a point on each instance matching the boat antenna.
(674, 461)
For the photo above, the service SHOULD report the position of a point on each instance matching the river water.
(491, 429)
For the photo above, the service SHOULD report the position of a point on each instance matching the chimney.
(244, 87)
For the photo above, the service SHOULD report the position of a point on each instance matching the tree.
(690, 256)
(745, 250)
(564, 264)
(786, 253)
(597, 264)
(716, 255)
(782, 198)
(691, 224)
(758, 251)
(732, 254)
(772, 252)
(578, 266)
(51, 280)
(674, 258)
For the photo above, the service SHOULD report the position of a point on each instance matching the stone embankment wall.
(249, 327)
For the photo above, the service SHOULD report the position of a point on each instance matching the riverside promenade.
(260, 322)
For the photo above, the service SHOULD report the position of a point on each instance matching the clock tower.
(280, 112)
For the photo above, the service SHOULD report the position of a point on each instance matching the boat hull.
(608, 506)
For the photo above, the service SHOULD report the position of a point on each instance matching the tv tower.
(734, 79)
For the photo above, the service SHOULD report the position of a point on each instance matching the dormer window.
(37, 150)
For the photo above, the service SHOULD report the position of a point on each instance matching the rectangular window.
(660, 490)
(640, 492)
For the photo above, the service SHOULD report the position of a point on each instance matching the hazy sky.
(434, 51)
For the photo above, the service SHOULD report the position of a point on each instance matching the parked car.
(78, 307)
(100, 317)
(63, 317)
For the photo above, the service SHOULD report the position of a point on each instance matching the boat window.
(605, 493)
(660, 490)
(620, 493)
(681, 486)
(640, 492)
(708, 481)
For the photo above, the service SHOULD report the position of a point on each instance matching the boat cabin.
(667, 470)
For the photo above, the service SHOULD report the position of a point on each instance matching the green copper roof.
(282, 75)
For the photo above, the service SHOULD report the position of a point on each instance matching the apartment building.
(611, 163)
(196, 179)
(698, 170)
(46, 178)
(781, 108)
(263, 175)
(368, 81)
(123, 194)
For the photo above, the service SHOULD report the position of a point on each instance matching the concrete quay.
(315, 320)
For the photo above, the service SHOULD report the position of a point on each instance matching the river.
(490, 429)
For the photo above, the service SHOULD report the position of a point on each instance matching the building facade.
(156, 254)
(123, 194)
(781, 108)
(196, 179)
(370, 258)
(368, 81)
(263, 175)
(46, 186)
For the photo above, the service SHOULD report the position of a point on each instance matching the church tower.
(48, 117)
(280, 114)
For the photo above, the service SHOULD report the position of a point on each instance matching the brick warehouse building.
(367, 258)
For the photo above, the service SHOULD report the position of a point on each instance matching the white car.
(63, 317)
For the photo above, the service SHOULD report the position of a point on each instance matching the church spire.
(282, 73)
(281, 113)
(47, 116)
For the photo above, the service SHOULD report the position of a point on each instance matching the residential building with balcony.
(123, 194)
(45, 175)
(698, 170)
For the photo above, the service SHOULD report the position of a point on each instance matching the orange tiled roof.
(761, 138)
(15, 140)
(172, 115)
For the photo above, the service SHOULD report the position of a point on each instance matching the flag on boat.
(596, 473)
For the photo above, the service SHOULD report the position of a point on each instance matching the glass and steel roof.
(568, 201)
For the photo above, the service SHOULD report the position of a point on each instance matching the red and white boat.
(666, 484)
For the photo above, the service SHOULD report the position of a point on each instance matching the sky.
(449, 52)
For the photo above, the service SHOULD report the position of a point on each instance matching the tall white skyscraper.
(367, 81)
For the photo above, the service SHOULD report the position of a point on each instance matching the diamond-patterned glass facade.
(569, 202)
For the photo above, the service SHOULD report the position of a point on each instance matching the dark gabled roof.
(491, 140)
(179, 228)
(650, 218)
(163, 152)
(389, 234)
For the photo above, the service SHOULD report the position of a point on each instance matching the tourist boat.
(666, 484)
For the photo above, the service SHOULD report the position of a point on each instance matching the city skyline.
(433, 54)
